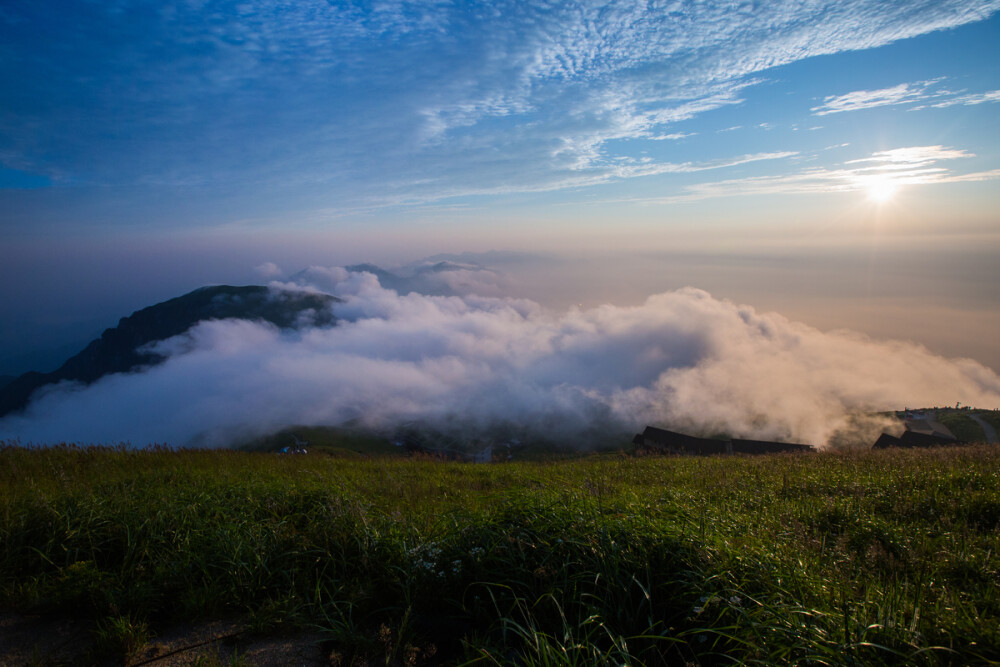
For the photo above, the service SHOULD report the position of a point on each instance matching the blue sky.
(147, 147)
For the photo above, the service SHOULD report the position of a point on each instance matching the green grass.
(991, 417)
(887, 557)
(962, 426)
(120, 636)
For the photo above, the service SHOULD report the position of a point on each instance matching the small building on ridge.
(671, 442)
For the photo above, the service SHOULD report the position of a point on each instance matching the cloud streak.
(969, 99)
(683, 358)
(910, 166)
(903, 94)
(868, 99)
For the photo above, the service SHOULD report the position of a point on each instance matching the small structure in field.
(671, 442)
(886, 441)
(919, 433)
(298, 448)
(767, 447)
(915, 439)
(930, 428)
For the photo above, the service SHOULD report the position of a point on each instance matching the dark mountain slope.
(116, 351)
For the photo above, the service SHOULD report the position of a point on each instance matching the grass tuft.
(120, 636)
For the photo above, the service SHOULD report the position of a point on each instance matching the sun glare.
(882, 191)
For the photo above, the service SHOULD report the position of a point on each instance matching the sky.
(836, 163)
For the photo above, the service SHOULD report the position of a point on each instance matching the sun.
(881, 191)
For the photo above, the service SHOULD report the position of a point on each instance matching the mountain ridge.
(118, 348)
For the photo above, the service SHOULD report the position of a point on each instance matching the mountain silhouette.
(120, 349)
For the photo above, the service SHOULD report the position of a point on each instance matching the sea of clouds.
(469, 364)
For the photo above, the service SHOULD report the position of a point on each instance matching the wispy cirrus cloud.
(361, 105)
(614, 170)
(651, 168)
(673, 136)
(868, 99)
(970, 99)
(912, 157)
(910, 166)
(926, 93)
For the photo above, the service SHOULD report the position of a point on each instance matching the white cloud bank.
(682, 358)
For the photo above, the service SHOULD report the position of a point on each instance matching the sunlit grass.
(865, 558)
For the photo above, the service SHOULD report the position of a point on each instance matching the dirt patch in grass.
(38, 640)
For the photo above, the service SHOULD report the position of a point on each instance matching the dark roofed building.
(767, 447)
(921, 431)
(920, 439)
(915, 439)
(679, 443)
(672, 442)
(886, 441)
(930, 428)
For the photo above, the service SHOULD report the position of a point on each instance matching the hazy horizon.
(932, 296)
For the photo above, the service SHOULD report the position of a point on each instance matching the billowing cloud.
(268, 270)
(682, 358)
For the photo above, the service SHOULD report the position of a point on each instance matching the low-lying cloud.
(470, 363)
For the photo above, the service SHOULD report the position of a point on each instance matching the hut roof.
(682, 441)
(931, 428)
(885, 441)
(767, 447)
(918, 439)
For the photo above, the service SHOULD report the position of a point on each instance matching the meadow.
(875, 557)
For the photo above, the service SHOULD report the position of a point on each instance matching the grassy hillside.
(886, 557)
(962, 424)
